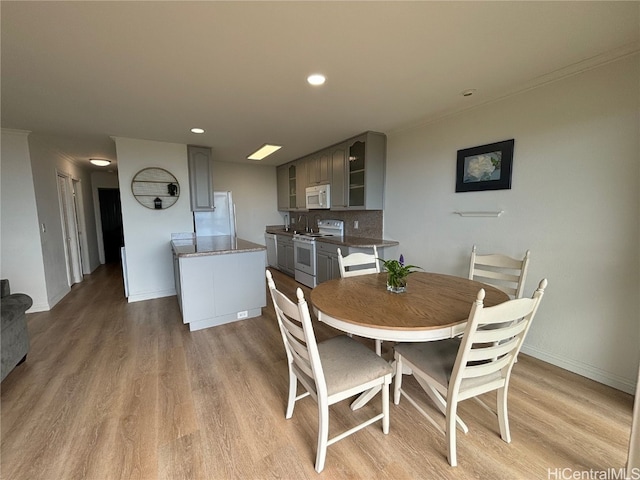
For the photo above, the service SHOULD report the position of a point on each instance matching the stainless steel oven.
(304, 250)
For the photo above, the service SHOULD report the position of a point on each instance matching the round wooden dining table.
(434, 307)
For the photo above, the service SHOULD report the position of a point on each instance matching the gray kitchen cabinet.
(200, 178)
(291, 183)
(284, 247)
(301, 185)
(338, 155)
(362, 185)
(293, 186)
(327, 260)
(318, 168)
(282, 178)
(354, 168)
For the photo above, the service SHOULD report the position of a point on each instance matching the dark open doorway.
(111, 216)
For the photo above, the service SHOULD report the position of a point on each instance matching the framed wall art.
(487, 167)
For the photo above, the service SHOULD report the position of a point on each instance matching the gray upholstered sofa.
(15, 338)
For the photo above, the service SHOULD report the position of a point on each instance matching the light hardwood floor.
(112, 390)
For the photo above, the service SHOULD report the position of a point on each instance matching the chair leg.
(385, 408)
(452, 407)
(397, 383)
(323, 434)
(438, 400)
(293, 388)
(503, 415)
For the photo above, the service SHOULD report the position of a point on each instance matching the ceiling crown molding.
(577, 68)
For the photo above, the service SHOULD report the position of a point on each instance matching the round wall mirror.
(155, 188)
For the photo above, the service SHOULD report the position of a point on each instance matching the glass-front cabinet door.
(366, 158)
(283, 187)
(356, 161)
(292, 186)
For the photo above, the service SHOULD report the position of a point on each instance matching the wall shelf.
(480, 214)
(155, 188)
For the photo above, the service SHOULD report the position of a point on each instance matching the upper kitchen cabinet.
(318, 168)
(358, 183)
(354, 169)
(301, 184)
(337, 155)
(201, 178)
(292, 182)
(282, 178)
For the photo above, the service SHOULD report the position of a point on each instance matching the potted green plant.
(397, 273)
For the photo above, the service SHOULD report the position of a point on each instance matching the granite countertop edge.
(349, 240)
(216, 245)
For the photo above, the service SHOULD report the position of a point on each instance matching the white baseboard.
(39, 307)
(223, 319)
(151, 295)
(607, 378)
(51, 302)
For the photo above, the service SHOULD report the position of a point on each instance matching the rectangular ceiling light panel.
(264, 151)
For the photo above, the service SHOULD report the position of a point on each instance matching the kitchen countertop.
(349, 241)
(213, 245)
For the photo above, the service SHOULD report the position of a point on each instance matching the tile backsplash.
(369, 221)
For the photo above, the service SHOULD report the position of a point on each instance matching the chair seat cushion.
(362, 364)
(437, 359)
(434, 358)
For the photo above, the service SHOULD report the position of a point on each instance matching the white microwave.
(318, 196)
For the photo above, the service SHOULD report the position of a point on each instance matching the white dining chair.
(360, 263)
(329, 371)
(501, 271)
(453, 370)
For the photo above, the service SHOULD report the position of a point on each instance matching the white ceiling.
(84, 71)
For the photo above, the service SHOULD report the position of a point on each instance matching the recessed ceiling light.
(469, 92)
(316, 79)
(197, 130)
(100, 162)
(264, 151)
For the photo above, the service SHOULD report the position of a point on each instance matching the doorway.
(111, 220)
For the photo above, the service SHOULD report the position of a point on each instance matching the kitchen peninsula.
(219, 279)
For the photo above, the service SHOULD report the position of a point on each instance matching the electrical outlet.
(355, 224)
(244, 314)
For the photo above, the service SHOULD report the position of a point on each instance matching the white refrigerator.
(222, 221)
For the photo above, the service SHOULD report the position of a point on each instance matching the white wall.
(574, 203)
(21, 251)
(254, 193)
(147, 232)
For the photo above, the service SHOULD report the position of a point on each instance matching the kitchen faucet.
(306, 221)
